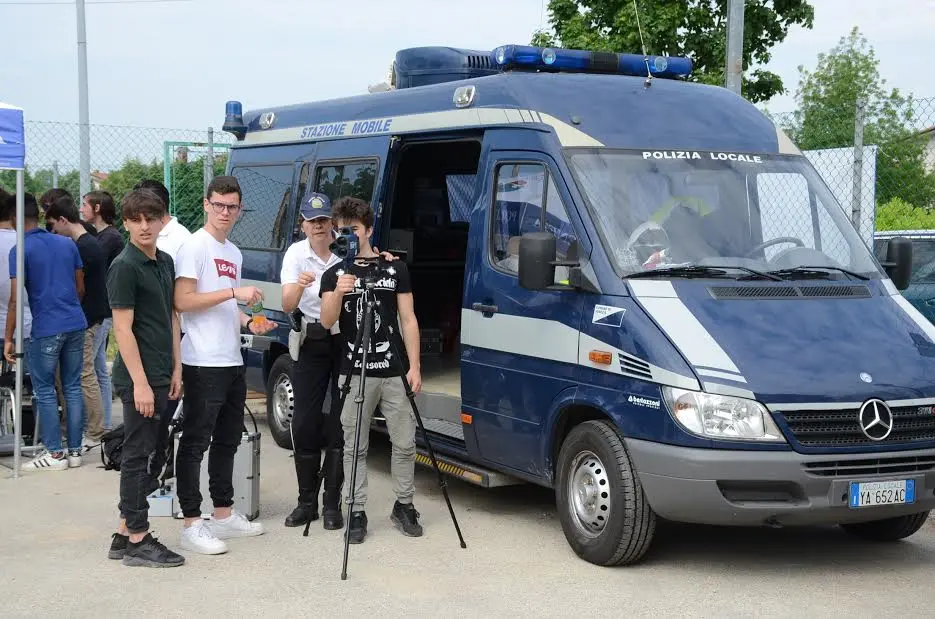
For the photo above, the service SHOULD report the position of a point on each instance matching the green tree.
(695, 28)
(827, 100)
(40, 181)
(121, 181)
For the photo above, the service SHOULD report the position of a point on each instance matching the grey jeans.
(401, 423)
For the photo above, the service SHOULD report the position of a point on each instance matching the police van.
(631, 288)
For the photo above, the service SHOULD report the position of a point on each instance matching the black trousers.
(214, 404)
(316, 370)
(144, 439)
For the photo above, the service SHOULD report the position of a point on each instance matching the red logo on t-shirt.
(225, 268)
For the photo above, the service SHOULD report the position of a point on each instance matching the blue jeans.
(66, 352)
(100, 368)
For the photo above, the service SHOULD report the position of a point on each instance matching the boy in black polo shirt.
(146, 374)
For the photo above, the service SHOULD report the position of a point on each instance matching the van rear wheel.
(889, 530)
(604, 513)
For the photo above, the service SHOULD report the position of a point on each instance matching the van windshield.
(664, 210)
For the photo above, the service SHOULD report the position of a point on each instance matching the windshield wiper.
(691, 271)
(817, 271)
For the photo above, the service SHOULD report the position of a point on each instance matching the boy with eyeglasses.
(207, 292)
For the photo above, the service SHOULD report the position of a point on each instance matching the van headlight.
(721, 417)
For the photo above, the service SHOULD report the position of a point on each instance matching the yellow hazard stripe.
(450, 469)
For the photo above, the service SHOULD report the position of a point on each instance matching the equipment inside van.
(631, 288)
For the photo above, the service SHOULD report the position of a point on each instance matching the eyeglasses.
(220, 207)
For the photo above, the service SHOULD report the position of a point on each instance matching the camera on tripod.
(346, 245)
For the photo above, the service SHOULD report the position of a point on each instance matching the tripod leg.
(359, 400)
(428, 444)
(345, 389)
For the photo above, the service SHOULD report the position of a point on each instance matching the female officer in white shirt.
(302, 267)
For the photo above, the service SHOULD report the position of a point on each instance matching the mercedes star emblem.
(875, 419)
(866, 377)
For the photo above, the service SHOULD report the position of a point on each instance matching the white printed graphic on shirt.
(378, 347)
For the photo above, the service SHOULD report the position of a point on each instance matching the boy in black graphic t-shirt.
(342, 302)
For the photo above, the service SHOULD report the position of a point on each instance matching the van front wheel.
(889, 530)
(604, 513)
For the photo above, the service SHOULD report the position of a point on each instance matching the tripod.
(362, 344)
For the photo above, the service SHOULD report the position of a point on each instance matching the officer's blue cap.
(314, 206)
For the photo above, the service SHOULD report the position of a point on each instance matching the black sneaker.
(357, 528)
(118, 546)
(151, 553)
(406, 519)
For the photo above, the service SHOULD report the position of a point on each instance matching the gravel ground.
(56, 531)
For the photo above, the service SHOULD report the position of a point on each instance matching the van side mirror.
(536, 260)
(898, 265)
(537, 264)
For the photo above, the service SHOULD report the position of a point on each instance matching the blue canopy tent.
(13, 157)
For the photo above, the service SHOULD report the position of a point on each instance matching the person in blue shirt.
(54, 285)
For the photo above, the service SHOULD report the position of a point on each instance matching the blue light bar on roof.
(582, 61)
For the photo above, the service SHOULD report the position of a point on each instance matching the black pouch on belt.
(315, 331)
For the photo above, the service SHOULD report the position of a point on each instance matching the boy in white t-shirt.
(207, 289)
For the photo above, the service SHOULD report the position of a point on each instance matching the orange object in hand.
(258, 316)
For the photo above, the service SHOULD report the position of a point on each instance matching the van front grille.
(871, 466)
(841, 428)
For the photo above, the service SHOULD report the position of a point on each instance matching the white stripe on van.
(663, 305)
(737, 378)
(737, 392)
(429, 121)
(556, 341)
(916, 316)
(786, 145)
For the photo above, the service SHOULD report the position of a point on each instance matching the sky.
(174, 64)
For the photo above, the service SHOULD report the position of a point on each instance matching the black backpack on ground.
(112, 449)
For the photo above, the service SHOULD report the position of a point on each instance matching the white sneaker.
(74, 459)
(46, 462)
(198, 538)
(236, 525)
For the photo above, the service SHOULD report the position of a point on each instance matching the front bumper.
(752, 488)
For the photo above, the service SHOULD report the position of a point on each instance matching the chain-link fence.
(184, 160)
(877, 154)
(188, 168)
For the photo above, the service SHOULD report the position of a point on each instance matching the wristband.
(232, 293)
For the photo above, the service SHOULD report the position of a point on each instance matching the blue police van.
(631, 288)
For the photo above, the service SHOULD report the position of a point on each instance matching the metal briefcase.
(246, 477)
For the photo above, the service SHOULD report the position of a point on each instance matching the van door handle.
(485, 309)
(930, 302)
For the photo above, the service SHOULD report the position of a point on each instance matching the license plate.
(873, 493)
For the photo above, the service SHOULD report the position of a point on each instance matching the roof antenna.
(649, 75)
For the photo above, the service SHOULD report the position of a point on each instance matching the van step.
(455, 467)
(471, 473)
(445, 428)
